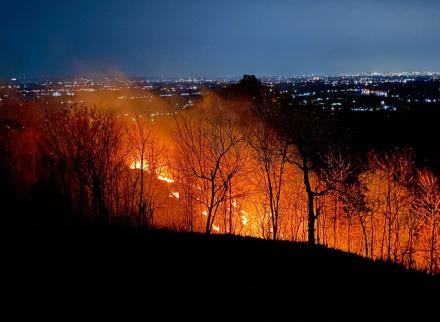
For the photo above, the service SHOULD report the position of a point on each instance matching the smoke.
(117, 94)
(240, 107)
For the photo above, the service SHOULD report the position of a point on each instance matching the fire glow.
(162, 173)
(244, 218)
(175, 194)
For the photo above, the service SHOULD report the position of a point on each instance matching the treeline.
(273, 171)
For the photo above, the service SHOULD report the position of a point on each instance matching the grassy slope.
(107, 275)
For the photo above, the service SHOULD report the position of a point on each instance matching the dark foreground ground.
(126, 275)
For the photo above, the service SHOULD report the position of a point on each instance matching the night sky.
(217, 38)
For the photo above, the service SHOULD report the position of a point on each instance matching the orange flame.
(163, 175)
(138, 165)
(244, 218)
(162, 172)
(175, 194)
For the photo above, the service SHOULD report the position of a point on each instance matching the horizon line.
(115, 76)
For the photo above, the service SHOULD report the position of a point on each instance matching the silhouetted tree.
(427, 205)
(205, 142)
(270, 153)
(82, 144)
(309, 133)
(145, 151)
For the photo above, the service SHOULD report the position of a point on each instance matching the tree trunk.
(310, 205)
(432, 248)
(311, 219)
(335, 221)
(364, 232)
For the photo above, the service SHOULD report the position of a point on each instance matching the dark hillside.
(126, 275)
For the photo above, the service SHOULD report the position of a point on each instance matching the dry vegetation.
(265, 173)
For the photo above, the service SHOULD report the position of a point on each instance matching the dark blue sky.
(217, 38)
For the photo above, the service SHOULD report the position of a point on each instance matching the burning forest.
(241, 160)
(246, 165)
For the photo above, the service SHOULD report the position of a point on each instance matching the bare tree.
(209, 146)
(355, 206)
(84, 144)
(396, 170)
(271, 159)
(144, 157)
(427, 205)
(309, 134)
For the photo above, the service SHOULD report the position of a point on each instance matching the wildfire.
(216, 228)
(244, 218)
(162, 172)
(175, 194)
(165, 179)
(163, 175)
(138, 165)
